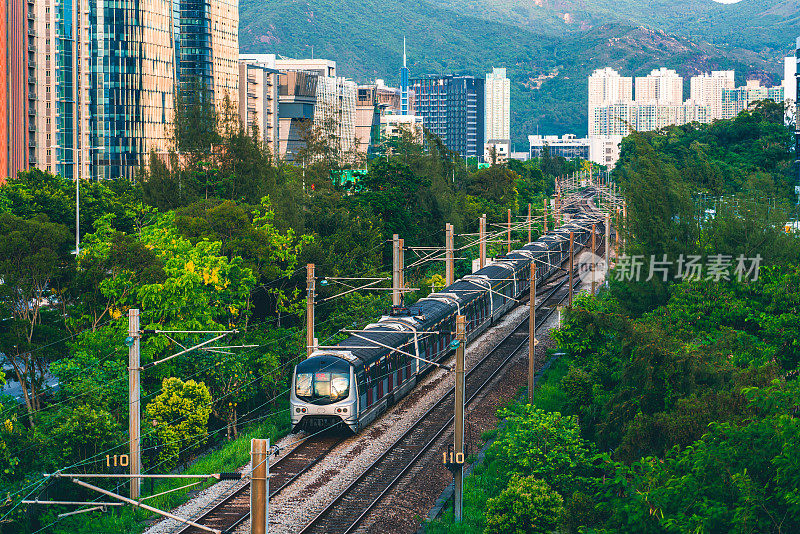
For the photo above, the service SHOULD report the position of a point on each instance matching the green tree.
(34, 260)
(545, 445)
(180, 416)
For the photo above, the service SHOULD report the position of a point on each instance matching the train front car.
(324, 392)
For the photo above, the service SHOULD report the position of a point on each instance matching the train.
(357, 380)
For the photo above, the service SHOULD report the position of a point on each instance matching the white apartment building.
(568, 146)
(706, 90)
(606, 87)
(790, 86)
(661, 86)
(499, 149)
(605, 150)
(497, 105)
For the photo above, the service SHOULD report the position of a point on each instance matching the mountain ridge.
(548, 72)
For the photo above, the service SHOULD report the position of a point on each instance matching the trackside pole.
(259, 486)
(546, 201)
(310, 283)
(401, 265)
(396, 270)
(571, 263)
(482, 246)
(449, 269)
(135, 401)
(532, 334)
(508, 233)
(594, 261)
(458, 474)
(529, 223)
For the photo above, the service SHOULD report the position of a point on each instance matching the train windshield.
(322, 380)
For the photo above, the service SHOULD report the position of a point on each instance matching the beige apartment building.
(497, 104)
(661, 86)
(706, 90)
(258, 102)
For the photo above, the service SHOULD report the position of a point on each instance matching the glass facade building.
(107, 73)
(452, 108)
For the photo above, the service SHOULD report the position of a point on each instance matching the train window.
(303, 384)
(322, 380)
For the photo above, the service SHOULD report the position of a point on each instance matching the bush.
(527, 506)
(180, 414)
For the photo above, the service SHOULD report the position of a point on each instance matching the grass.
(230, 457)
(485, 481)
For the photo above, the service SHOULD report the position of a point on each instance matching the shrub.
(527, 506)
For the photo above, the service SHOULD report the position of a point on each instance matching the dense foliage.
(675, 407)
(214, 239)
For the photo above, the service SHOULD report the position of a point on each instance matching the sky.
(727, 1)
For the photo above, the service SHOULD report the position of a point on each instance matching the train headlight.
(344, 410)
(297, 410)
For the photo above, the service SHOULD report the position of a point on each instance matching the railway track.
(230, 512)
(233, 510)
(352, 505)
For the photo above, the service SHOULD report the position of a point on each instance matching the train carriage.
(357, 380)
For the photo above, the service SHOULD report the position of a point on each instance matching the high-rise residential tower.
(606, 87)
(17, 98)
(404, 83)
(498, 105)
(106, 75)
(789, 86)
(706, 90)
(661, 86)
(606, 90)
(797, 111)
(452, 108)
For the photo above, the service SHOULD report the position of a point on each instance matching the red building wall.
(17, 60)
(4, 90)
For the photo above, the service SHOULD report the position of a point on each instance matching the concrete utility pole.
(529, 223)
(458, 475)
(396, 270)
(607, 242)
(259, 486)
(571, 262)
(134, 402)
(310, 287)
(402, 252)
(449, 268)
(546, 201)
(532, 334)
(508, 232)
(594, 249)
(482, 246)
(616, 234)
(624, 220)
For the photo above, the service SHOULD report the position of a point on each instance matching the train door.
(361, 385)
(382, 380)
(371, 385)
(390, 377)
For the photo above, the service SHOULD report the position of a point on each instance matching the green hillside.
(548, 67)
(768, 26)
